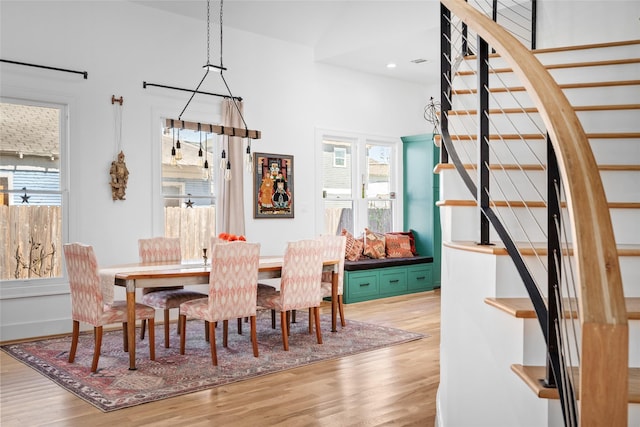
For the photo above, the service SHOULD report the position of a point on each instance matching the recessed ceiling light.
(391, 65)
(419, 61)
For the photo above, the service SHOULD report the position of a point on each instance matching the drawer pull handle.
(420, 278)
(394, 281)
(363, 284)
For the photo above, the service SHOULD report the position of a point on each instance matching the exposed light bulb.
(249, 158)
(20, 155)
(173, 156)
(223, 160)
(178, 150)
(206, 173)
(227, 172)
(200, 158)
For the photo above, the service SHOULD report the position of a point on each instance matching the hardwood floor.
(391, 386)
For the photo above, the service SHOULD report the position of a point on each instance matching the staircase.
(493, 353)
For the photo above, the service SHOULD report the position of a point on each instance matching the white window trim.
(359, 142)
(11, 289)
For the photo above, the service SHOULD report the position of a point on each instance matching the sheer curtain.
(231, 191)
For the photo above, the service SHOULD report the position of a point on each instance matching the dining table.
(167, 274)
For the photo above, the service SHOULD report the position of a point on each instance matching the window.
(358, 183)
(339, 157)
(188, 189)
(31, 189)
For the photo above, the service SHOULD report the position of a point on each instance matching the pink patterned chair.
(300, 285)
(334, 248)
(233, 287)
(87, 303)
(164, 249)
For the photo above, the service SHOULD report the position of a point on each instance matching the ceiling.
(359, 35)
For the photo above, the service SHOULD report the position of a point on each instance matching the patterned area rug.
(114, 387)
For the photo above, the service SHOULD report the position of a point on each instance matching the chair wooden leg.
(125, 337)
(288, 316)
(212, 343)
(143, 326)
(239, 325)
(273, 319)
(166, 328)
(97, 330)
(152, 340)
(225, 332)
(183, 332)
(316, 312)
(293, 316)
(310, 321)
(206, 331)
(254, 336)
(74, 341)
(285, 332)
(343, 322)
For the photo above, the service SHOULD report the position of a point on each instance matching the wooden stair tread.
(498, 248)
(581, 64)
(562, 86)
(526, 203)
(519, 137)
(531, 375)
(531, 167)
(522, 308)
(533, 110)
(570, 48)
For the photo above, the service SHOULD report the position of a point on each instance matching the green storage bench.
(369, 279)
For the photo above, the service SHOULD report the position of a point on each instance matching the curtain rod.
(84, 73)
(206, 127)
(145, 84)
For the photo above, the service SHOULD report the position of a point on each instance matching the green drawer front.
(420, 278)
(361, 285)
(393, 280)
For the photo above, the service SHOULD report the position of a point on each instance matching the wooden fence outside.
(32, 237)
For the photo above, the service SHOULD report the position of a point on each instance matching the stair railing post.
(554, 256)
(483, 139)
(445, 77)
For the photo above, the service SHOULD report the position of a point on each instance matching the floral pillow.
(353, 249)
(374, 244)
(398, 245)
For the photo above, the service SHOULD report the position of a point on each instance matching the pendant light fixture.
(200, 160)
(178, 148)
(173, 145)
(225, 161)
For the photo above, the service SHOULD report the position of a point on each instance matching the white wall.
(121, 44)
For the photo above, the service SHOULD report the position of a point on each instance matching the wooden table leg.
(131, 325)
(334, 300)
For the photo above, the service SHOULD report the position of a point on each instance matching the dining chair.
(334, 248)
(300, 285)
(233, 286)
(164, 249)
(88, 305)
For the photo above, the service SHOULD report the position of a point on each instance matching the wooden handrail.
(604, 359)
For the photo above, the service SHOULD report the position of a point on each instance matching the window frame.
(33, 287)
(359, 142)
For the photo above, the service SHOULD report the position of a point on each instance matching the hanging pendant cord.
(117, 126)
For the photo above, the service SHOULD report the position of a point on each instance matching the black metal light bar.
(84, 73)
(145, 84)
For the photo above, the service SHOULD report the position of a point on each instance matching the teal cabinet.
(420, 278)
(421, 190)
(393, 281)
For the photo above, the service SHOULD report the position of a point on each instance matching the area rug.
(115, 387)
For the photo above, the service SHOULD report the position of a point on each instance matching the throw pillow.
(398, 245)
(374, 244)
(353, 249)
(412, 239)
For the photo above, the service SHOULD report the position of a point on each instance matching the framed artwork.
(272, 186)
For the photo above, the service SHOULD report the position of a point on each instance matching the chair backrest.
(334, 247)
(84, 281)
(233, 282)
(159, 249)
(301, 275)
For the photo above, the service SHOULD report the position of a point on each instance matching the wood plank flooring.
(391, 386)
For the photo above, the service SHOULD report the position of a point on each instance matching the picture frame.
(273, 189)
